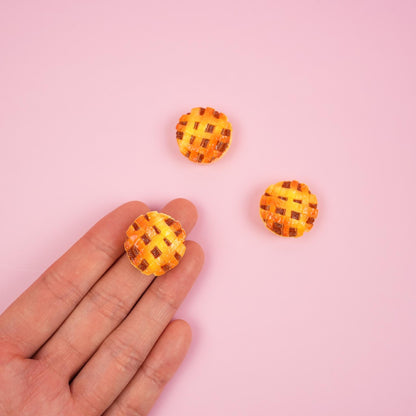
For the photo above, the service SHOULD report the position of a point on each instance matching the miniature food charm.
(203, 135)
(288, 208)
(154, 243)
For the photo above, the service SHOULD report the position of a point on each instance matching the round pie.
(203, 135)
(288, 208)
(155, 243)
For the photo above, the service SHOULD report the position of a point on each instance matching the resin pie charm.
(154, 243)
(288, 208)
(203, 135)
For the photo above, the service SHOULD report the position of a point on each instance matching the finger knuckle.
(89, 402)
(99, 244)
(62, 287)
(110, 305)
(128, 409)
(126, 355)
(157, 375)
(165, 296)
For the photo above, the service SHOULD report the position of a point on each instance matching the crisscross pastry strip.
(154, 243)
(288, 208)
(203, 135)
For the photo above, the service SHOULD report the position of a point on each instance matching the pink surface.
(318, 91)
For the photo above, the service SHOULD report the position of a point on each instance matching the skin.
(92, 335)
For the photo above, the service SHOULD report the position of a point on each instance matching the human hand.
(77, 343)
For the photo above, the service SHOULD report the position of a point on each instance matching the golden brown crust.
(154, 243)
(203, 135)
(288, 208)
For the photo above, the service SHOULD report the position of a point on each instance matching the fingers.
(42, 308)
(158, 368)
(184, 211)
(104, 306)
(119, 357)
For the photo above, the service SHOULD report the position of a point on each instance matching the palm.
(78, 342)
(31, 388)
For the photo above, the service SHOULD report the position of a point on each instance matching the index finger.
(40, 310)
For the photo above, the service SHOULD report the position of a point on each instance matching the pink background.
(319, 91)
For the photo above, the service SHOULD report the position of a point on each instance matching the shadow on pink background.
(318, 91)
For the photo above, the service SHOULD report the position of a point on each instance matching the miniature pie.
(288, 208)
(155, 243)
(203, 135)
